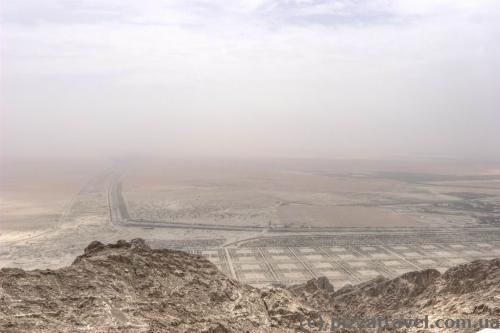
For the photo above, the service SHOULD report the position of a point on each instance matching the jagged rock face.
(469, 291)
(465, 290)
(129, 285)
(382, 295)
(318, 293)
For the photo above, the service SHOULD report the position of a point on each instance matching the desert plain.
(262, 221)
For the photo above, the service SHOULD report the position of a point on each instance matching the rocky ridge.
(128, 286)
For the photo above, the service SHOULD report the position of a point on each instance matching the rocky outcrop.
(318, 293)
(467, 292)
(128, 286)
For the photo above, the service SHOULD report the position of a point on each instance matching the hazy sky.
(284, 78)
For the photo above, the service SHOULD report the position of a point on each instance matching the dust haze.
(283, 140)
(259, 78)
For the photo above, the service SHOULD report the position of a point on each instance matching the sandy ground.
(34, 194)
(296, 193)
(274, 194)
(343, 216)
